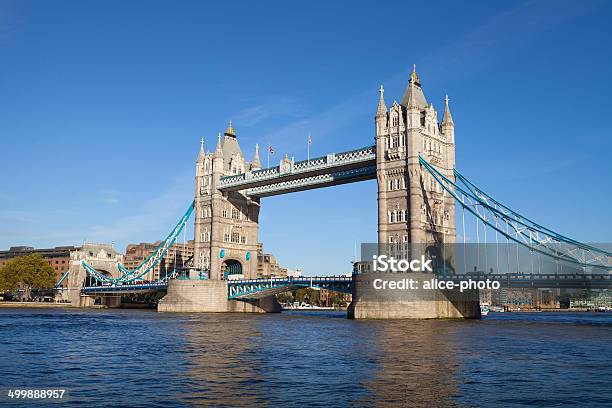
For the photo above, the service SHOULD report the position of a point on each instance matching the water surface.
(143, 358)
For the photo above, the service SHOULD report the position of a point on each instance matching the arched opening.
(91, 281)
(231, 268)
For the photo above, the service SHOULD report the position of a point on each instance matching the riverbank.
(35, 304)
(574, 310)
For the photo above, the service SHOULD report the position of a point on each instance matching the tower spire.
(413, 95)
(255, 164)
(447, 119)
(382, 108)
(414, 78)
(201, 155)
(230, 130)
(218, 150)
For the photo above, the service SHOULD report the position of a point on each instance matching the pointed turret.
(413, 96)
(218, 149)
(382, 108)
(201, 155)
(255, 164)
(448, 126)
(230, 130)
(447, 119)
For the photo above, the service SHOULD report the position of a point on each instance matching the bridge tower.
(412, 208)
(415, 215)
(226, 235)
(226, 223)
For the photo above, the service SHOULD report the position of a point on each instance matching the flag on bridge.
(270, 151)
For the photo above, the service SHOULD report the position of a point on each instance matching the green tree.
(285, 297)
(33, 270)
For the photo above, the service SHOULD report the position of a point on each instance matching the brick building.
(58, 257)
(179, 255)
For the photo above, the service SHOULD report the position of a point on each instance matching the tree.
(33, 270)
(285, 297)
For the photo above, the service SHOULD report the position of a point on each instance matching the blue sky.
(103, 104)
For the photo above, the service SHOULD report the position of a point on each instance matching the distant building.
(58, 257)
(592, 300)
(525, 298)
(178, 255)
(267, 265)
(294, 273)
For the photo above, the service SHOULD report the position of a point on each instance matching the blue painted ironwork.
(59, 282)
(135, 286)
(518, 228)
(120, 288)
(256, 288)
(246, 289)
(147, 264)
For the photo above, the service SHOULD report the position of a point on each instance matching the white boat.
(304, 306)
(484, 309)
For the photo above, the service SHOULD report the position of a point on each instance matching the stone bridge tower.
(414, 213)
(412, 207)
(226, 224)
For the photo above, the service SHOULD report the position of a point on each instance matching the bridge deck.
(127, 288)
(256, 288)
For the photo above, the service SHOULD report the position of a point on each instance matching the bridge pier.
(102, 301)
(210, 296)
(371, 303)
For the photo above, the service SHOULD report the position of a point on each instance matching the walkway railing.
(254, 288)
(328, 162)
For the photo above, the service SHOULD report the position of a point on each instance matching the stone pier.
(101, 301)
(210, 296)
(370, 303)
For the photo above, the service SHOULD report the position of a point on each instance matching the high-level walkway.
(332, 169)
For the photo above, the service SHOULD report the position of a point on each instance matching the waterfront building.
(179, 255)
(58, 257)
(525, 298)
(592, 299)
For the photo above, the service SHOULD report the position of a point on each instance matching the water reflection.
(218, 348)
(324, 360)
(415, 364)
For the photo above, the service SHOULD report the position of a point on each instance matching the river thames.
(143, 358)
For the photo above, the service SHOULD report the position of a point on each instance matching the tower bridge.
(419, 192)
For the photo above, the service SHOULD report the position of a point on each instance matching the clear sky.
(103, 104)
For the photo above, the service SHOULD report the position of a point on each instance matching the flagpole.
(308, 143)
(268, 156)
